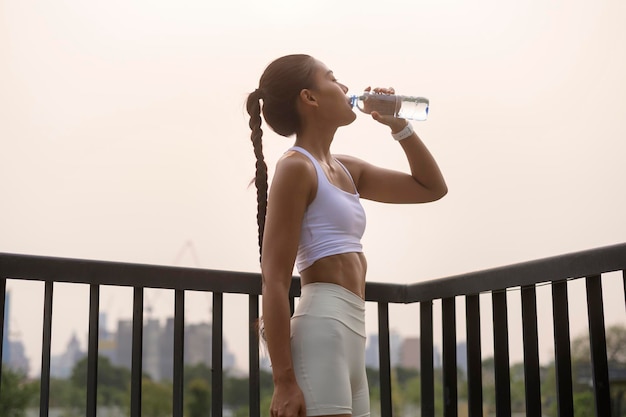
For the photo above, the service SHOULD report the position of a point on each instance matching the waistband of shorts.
(334, 290)
(325, 300)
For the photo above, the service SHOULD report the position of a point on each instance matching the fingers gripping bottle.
(404, 107)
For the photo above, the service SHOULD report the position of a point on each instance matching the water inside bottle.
(414, 108)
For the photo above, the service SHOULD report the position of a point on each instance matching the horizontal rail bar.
(45, 268)
(556, 268)
(82, 271)
(573, 265)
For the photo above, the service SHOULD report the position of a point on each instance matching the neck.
(317, 141)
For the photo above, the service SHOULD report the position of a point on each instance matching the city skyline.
(116, 346)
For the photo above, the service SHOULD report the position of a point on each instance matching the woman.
(314, 219)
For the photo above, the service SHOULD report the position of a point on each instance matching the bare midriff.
(346, 269)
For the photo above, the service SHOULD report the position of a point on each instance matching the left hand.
(396, 124)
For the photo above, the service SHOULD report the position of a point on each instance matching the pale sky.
(123, 136)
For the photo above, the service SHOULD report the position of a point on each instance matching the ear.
(308, 98)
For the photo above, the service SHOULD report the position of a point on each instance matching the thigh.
(320, 365)
(358, 376)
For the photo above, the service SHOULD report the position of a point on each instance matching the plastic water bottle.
(404, 107)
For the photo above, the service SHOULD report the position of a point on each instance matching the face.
(333, 104)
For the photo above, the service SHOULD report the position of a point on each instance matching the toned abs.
(346, 269)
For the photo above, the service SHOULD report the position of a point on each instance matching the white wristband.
(404, 133)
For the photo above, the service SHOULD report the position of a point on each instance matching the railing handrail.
(85, 271)
(555, 268)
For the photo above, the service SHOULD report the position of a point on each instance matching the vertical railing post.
(217, 376)
(597, 343)
(474, 357)
(450, 407)
(501, 354)
(532, 381)
(254, 382)
(426, 359)
(624, 281)
(386, 406)
(137, 353)
(562, 350)
(3, 294)
(92, 350)
(179, 353)
(44, 390)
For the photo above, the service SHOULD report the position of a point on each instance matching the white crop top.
(333, 223)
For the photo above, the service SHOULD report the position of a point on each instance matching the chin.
(350, 118)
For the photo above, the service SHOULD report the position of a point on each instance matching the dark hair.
(279, 88)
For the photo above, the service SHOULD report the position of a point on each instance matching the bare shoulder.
(295, 165)
(295, 173)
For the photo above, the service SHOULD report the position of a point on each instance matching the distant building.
(461, 356)
(124, 343)
(372, 352)
(61, 366)
(410, 353)
(152, 348)
(405, 352)
(395, 346)
(18, 362)
(158, 347)
(107, 344)
(198, 344)
(13, 351)
(436, 357)
(228, 358)
(167, 350)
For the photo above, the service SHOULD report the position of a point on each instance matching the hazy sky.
(123, 137)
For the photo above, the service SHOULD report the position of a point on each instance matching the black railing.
(588, 265)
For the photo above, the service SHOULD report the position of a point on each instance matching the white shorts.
(328, 349)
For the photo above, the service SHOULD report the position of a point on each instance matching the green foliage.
(236, 392)
(413, 390)
(113, 381)
(198, 398)
(584, 404)
(15, 393)
(194, 372)
(156, 398)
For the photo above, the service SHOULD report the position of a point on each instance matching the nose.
(344, 88)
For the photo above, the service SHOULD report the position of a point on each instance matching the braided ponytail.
(260, 181)
(279, 88)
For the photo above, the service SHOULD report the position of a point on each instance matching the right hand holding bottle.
(287, 401)
(383, 110)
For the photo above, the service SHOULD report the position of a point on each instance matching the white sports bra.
(333, 223)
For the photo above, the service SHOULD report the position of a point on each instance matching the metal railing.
(588, 265)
